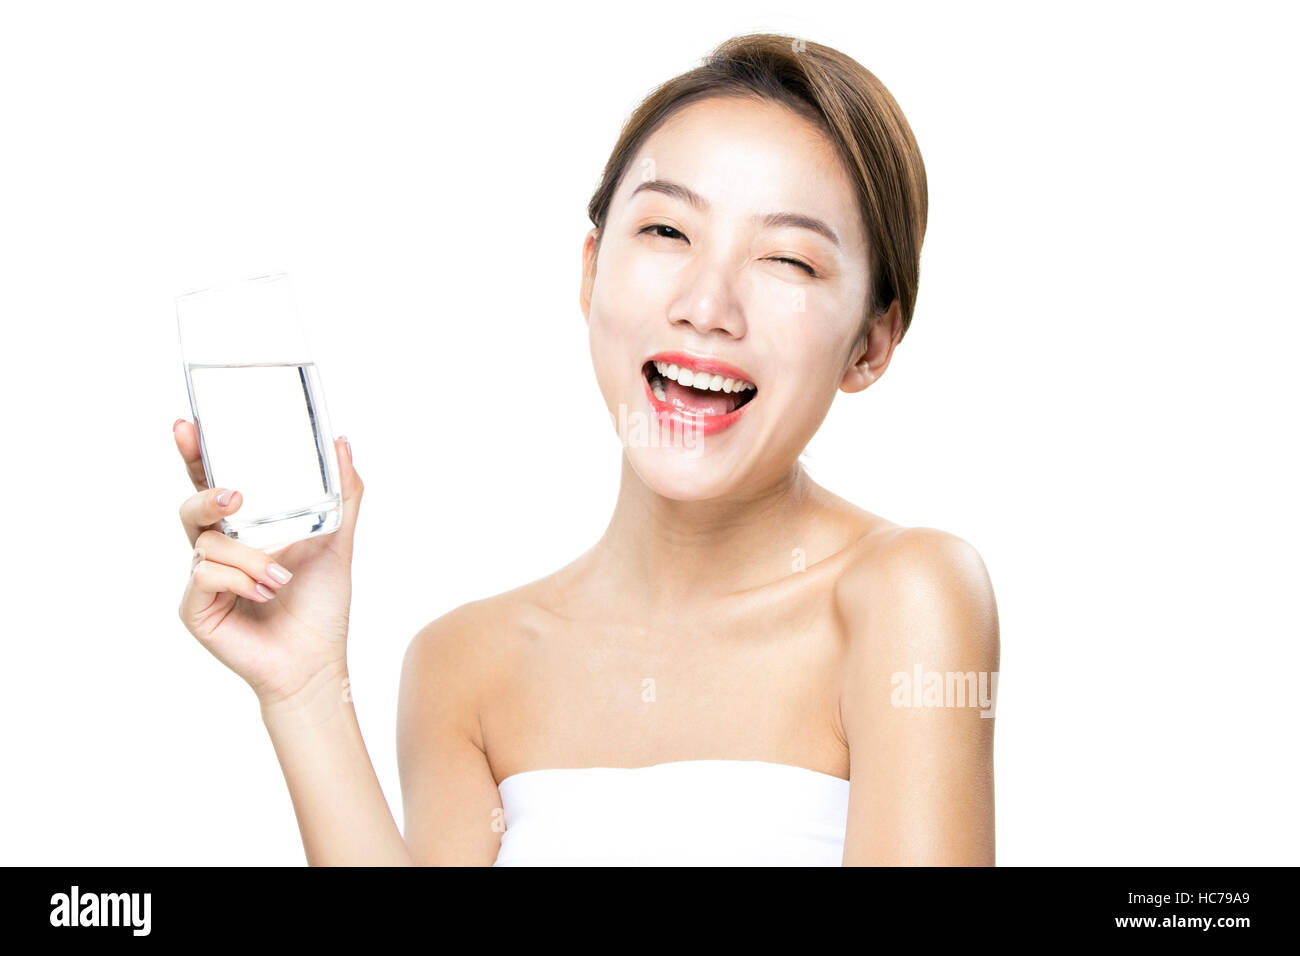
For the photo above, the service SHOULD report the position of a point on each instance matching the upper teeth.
(704, 381)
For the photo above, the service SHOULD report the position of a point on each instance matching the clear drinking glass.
(260, 411)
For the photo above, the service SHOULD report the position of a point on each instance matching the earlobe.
(858, 376)
(881, 336)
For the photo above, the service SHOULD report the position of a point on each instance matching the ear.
(872, 353)
(589, 250)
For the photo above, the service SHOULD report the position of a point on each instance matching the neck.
(680, 554)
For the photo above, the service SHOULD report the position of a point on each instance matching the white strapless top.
(681, 813)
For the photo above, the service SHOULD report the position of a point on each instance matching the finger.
(352, 489)
(212, 545)
(209, 581)
(187, 443)
(205, 510)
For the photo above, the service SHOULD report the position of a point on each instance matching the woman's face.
(733, 250)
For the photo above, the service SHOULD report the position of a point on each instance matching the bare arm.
(450, 799)
(921, 777)
(449, 795)
(343, 816)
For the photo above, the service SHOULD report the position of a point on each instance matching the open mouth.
(697, 392)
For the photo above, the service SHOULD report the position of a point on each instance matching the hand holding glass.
(260, 411)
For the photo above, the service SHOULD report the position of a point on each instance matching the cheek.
(809, 349)
(624, 284)
(810, 346)
(812, 396)
(600, 343)
(608, 338)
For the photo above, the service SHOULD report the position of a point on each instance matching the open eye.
(659, 225)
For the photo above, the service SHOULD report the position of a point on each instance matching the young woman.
(723, 677)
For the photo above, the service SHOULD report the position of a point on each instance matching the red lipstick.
(676, 413)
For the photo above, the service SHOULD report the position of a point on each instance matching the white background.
(1097, 391)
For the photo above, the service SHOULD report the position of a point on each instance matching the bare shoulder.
(476, 631)
(921, 634)
(464, 646)
(919, 589)
(449, 791)
(451, 663)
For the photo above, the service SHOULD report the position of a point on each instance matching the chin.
(682, 474)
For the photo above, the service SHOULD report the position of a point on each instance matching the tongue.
(696, 401)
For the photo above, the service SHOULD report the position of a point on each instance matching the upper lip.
(700, 363)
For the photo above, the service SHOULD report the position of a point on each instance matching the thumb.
(352, 489)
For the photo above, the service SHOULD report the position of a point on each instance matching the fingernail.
(223, 499)
(278, 574)
(263, 590)
(349, 444)
(177, 422)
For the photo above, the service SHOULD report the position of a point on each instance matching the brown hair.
(852, 108)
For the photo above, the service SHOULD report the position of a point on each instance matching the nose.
(709, 304)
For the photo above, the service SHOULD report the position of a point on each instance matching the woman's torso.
(736, 699)
(753, 677)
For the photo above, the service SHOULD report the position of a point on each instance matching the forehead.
(749, 155)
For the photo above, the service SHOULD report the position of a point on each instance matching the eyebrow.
(772, 219)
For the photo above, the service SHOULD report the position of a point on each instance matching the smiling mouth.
(697, 393)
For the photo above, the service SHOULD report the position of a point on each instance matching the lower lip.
(700, 424)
